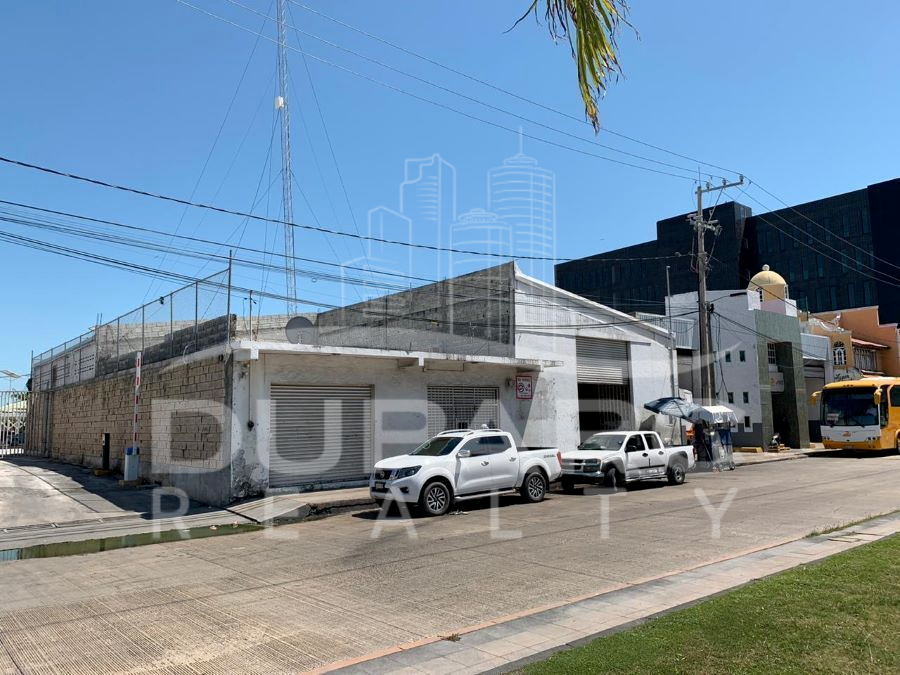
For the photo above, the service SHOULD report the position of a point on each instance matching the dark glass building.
(806, 244)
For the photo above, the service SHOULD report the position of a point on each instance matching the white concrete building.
(763, 363)
(231, 407)
(548, 366)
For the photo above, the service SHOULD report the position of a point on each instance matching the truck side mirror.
(463, 453)
(814, 399)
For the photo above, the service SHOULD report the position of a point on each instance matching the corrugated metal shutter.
(601, 361)
(462, 408)
(320, 434)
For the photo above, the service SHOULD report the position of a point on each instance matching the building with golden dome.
(771, 292)
(763, 361)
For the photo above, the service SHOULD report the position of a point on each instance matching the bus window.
(895, 396)
(850, 407)
(884, 407)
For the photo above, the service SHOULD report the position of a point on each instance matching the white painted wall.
(737, 376)
(547, 322)
(395, 389)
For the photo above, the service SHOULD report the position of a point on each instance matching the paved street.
(318, 592)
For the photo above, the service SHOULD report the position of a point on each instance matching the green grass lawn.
(840, 615)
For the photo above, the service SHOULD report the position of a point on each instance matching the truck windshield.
(438, 446)
(852, 406)
(603, 442)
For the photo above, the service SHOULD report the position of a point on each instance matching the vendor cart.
(711, 426)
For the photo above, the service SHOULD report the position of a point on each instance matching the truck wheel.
(568, 485)
(676, 474)
(613, 478)
(534, 487)
(435, 499)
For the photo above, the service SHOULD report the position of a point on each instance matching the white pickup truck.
(464, 464)
(618, 457)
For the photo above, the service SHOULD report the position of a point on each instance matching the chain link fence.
(182, 322)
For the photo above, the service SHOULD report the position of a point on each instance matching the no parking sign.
(524, 387)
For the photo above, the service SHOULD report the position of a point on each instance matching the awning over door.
(320, 434)
(601, 361)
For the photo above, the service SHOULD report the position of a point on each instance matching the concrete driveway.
(302, 596)
(37, 492)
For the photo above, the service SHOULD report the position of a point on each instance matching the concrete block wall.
(475, 308)
(184, 412)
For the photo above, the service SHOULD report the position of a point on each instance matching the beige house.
(861, 345)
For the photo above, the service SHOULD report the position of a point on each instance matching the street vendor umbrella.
(673, 407)
(714, 415)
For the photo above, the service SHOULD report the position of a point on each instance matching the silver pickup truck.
(619, 457)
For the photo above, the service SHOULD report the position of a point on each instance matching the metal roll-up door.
(462, 408)
(601, 361)
(320, 434)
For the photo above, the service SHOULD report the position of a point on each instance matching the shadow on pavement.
(89, 495)
(850, 454)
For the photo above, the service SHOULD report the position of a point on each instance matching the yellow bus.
(861, 414)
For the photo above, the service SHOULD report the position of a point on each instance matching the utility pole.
(287, 197)
(707, 360)
(671, 331)
(674, 363)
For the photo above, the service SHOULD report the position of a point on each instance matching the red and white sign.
(524, 387)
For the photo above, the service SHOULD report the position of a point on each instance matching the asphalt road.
(305, 595)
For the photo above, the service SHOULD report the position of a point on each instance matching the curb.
(510, 666)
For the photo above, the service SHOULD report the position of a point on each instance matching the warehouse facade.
(252, 405)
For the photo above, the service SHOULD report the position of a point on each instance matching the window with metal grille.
(462, 408)
(865, 359)
(773, 354)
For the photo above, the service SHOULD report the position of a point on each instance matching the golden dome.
(766, 278)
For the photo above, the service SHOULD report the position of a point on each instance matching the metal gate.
(605, 401)
(601, 361)
(462, 408)
(320, 434)
(13, 415)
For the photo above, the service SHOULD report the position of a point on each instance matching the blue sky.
(801, 96)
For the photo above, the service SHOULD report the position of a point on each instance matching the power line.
(893, 281)
(819, 225)
(216, 140)
(366, 312)
(62, 227)
(503, 90)
(253, 202)
(463, 95)
(337, 167)
(242, 214)
(438, 104)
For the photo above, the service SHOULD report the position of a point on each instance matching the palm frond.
(592, 28)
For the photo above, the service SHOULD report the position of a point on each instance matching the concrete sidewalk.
(514, 641)
(750, 458)
(44, 502)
